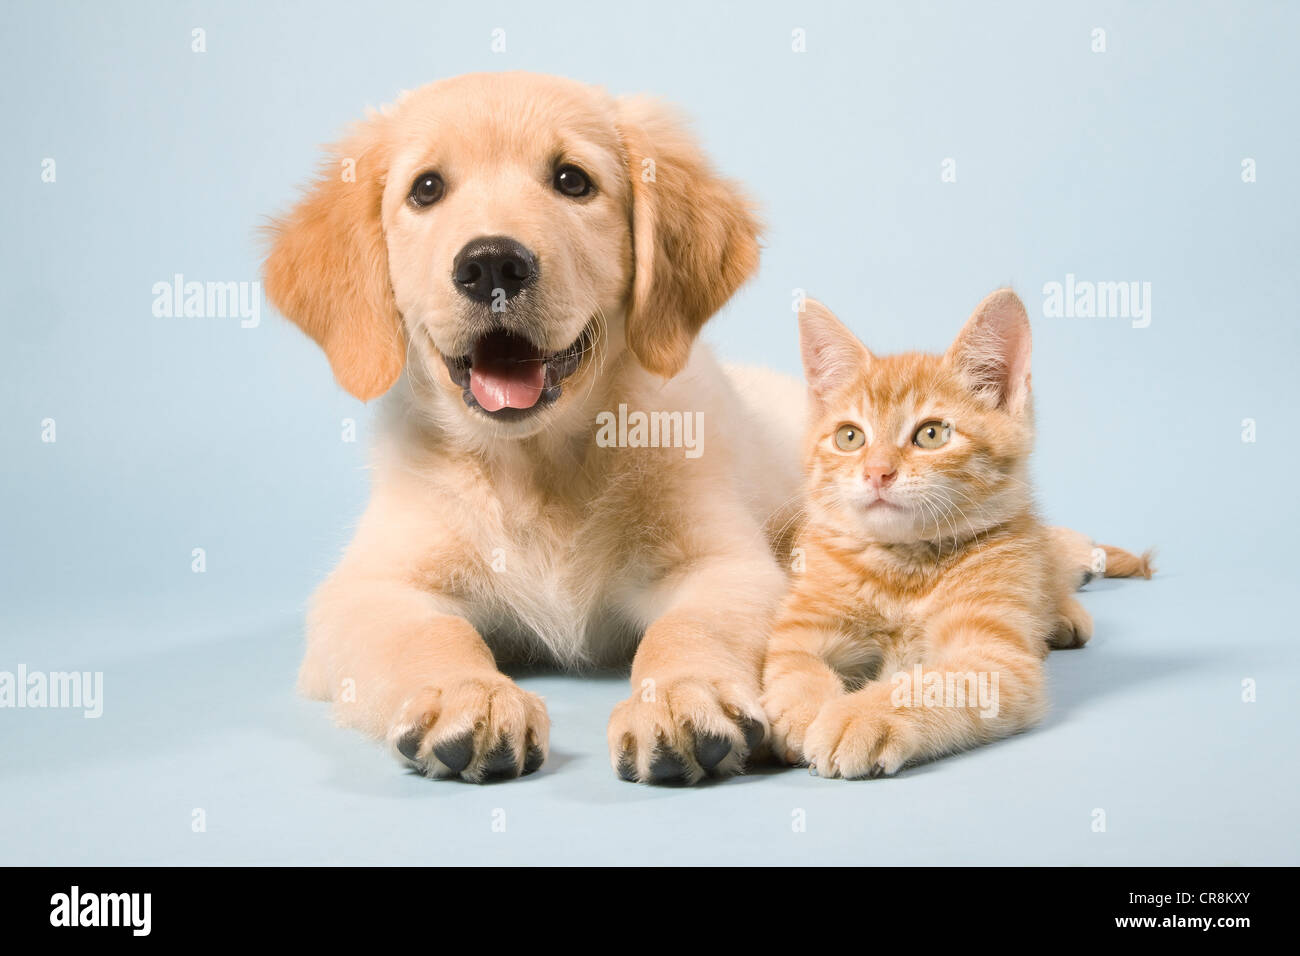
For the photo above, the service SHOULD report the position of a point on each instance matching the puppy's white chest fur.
(534, 593)
(546, 569)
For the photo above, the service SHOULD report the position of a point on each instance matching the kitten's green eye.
(932, 434)
(849, 438)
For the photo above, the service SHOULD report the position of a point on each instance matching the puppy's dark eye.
(572, 181)
(427, 189)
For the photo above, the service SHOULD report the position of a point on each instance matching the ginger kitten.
(930, 593)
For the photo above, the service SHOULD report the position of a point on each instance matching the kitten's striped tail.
(1125, 564)
(1080, 560)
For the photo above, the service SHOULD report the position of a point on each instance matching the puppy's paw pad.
(625, 766)
(408, 744)
(711, 750)
(457, 752)
(668, 766)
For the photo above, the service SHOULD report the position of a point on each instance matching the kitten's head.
(914, 447)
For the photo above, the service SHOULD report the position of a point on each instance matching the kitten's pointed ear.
(992, 351)
(832, 355)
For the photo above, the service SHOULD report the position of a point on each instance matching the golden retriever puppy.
(521, 265)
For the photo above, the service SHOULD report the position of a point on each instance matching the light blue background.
(174, 434)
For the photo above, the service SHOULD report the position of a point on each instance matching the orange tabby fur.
(949, 576)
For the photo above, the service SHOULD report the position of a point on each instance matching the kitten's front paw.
(681, 729)
(789, 714)
(792, 703)
(858, 736)
(1073, 626)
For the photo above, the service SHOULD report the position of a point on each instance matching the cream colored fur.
(487, 542)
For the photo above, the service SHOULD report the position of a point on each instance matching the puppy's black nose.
(491, 263)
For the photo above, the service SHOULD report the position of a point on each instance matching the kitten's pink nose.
(880, 474)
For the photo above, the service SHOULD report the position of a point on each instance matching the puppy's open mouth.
(509, 377)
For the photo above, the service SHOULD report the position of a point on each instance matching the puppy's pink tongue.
(510, 384)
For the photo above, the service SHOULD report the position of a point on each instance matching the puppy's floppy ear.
(694, 236)
(991, 352)
(328, 266)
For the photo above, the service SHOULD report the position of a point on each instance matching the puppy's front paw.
(860, 736)
(477, 728)
(681, 729)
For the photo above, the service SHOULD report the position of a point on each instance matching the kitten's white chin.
(888, 523)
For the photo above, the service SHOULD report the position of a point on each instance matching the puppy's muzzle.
(493, 268)
(508, 378)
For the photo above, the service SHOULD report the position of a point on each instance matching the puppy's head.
(503, 230)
